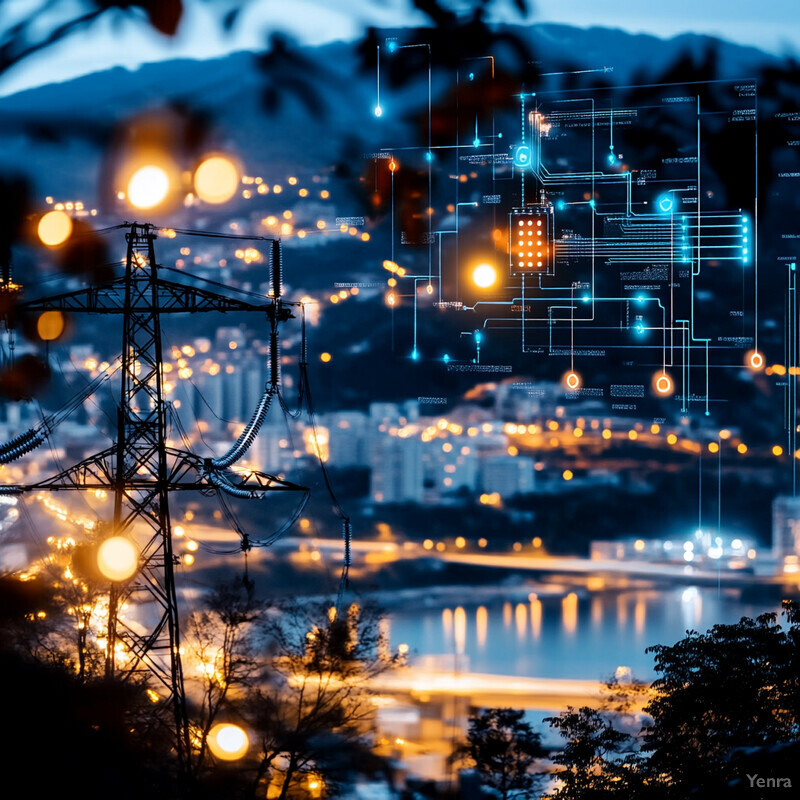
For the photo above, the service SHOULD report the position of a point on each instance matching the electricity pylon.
(141, 470)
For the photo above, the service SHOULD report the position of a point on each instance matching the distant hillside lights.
(156, 182)
(55, 227)
(118, 558)
(149, 185)
(216, 180)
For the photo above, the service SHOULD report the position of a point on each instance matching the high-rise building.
(397, 473)
(348, 438)
(450, 465)
(507, 475)
(785, 528)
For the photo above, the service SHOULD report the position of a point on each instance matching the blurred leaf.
(85, 254)
(165, 15)
(229, 20)
(14, 208)
(290, 73)
(25, 379)
(438, 14)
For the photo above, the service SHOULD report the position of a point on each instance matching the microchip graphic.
(530, 239)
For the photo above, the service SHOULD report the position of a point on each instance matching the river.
(563, 635)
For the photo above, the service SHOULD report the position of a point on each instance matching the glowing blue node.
(378, 111)
(472, 76)
(792, 266)
(522, 156)
(446, 358)
(611, 158)
(708, 413)
(592, 204)
(500, 135)
(478, 337)
(561, 205)
(665, 204)
(476, 142)
(415, 354)
(586, 298)
(429, 156)
(391, 47)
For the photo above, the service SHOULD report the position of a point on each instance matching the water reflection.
(622, 611)
(569, 612)
(521, 618)
(566, 636)
(447, 624)
(481, 625)
(460, 619)
(384, 637)
(597, 611)
(536, 619)
(639, 615)
(691, 607)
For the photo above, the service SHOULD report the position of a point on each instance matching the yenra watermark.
(769, 783)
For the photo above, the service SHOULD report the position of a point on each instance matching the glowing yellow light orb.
(484, 276)
(755, 360)
(55, 228)
(216, 180)
(571, 380)
(662, 383)
(50, 325)
(228, 742)
(117, 558)
(147, 187)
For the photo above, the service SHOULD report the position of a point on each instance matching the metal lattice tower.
(141, 470)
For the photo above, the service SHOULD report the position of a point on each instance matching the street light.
(228, 742)
(216, 180)
(147, 187)
(55, 228)
(117, 558)
(484, 276)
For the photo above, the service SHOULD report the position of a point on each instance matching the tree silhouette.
(314, 703)
(592, 757)
(220, 644)
(504, 748)
(735, 686)
(725, 705)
